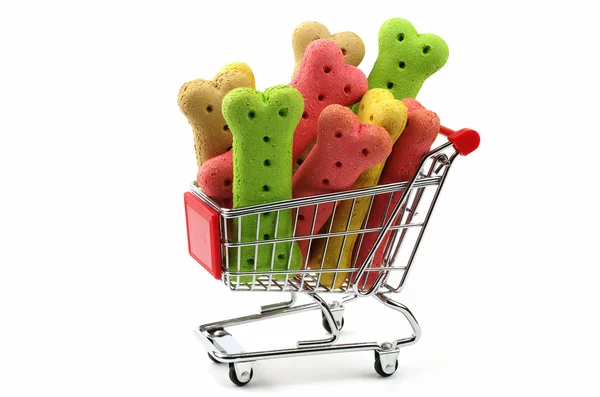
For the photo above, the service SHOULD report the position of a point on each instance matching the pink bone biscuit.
(323, 79)
(412, 104)
(345, 147)
(217, 169)
(416, 140)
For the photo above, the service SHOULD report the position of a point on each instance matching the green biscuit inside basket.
(263, 127)
(406, 59)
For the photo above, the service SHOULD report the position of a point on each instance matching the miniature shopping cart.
(212, 234)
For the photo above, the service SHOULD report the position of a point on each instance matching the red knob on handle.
(465, 140)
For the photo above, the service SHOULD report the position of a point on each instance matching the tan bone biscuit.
(352, 46)
(200, 102)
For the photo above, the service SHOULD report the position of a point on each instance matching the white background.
(98, 295)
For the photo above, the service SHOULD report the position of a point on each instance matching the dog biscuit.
(218, 168)
(200, 102)
(414, 143)
(240, 67)
(378, 107)
(262, 125)
(406, 58)
(323, 80)
(345, 148)
(351, 45)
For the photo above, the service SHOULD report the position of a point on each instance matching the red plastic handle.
(465, 140)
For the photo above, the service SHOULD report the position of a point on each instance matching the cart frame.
(391, 238)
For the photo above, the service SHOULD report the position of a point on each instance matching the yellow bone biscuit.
(240, 67)
(200, 102)
(352, 46)
(378, 107)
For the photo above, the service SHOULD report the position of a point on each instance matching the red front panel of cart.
(203, 234)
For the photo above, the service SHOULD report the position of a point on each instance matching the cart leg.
(338, 315)
(331, 321)
(386, 357)
(414, 338)
(279, 305)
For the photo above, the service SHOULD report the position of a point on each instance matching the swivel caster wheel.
(388, 367)
(243, 378)
(326, 323)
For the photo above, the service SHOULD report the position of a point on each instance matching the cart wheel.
(379, 368)
(213, 359)
(234, 378)
(326, 323)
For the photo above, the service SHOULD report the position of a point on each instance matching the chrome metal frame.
(221, 345)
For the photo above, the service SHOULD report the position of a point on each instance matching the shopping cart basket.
(213, 232)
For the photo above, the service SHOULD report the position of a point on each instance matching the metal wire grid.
(424, 189)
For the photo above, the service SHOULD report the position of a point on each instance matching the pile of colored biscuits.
(331, 129)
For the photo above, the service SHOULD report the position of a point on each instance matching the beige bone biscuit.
(200, 102)
(352, 46)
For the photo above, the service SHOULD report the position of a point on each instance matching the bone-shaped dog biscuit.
(262, 125)
(200, 102)
(378, 107)
(323, 80)
(218, 168)
(406, 58)
(351, 45)
(416, 140)
(240, 67)
(345, 147)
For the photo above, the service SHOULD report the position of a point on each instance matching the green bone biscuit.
(263, 127)
(406, 59)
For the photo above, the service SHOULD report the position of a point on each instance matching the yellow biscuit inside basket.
(240, 67)
(378, 107)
